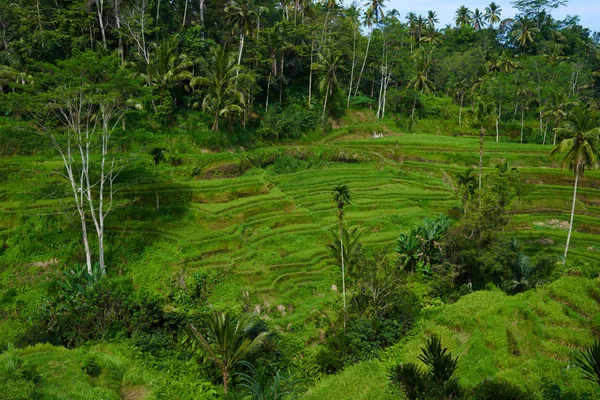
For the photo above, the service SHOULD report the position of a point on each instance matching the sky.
(587, 10)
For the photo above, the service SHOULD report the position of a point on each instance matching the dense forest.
(270, 200)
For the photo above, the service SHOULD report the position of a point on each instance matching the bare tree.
(89, 118)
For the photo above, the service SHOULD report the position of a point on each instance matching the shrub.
(290, 123)
(500, 389)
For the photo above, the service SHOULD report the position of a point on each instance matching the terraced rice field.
(263, 235)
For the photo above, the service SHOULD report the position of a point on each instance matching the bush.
(289, 123)
(88, 307)
(500, 389)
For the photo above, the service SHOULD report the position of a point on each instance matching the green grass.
(259, 231)
(548, 326)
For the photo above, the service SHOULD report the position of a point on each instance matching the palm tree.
(524, 32)
(505, 63)
(167, 67)
(341, 198)
(242, 15)
(420, 82)
(221, 97)
(432, 19)
(478, 20)
(557, 110)
(581, 154)
(492, 14)
(464, 16)
(466, 187)
(589, 361)
(227, 342)
(158, 156)
(373, 15)
(329, 63)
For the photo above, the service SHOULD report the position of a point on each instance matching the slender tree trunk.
(325, 102)
(462, 97)
(481, 131)
(241, 49)
(185, 12)
(157, 12)
(497, 131)
(100, 12)
(522, 119)
(225, 375)
(281, 79)
(412, 114)
(156, 181)
(515, 113)
(118, 25)
(202, 15)
(555, 126)
(310, 73)
(352, 69)
(268, 90)
(343, 278)
(572, 213)
(363, 65)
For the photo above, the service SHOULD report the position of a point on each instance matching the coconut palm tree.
(242, 15)
(227, 342)
(464, 17)
(432, 19)
(589, 361)
(524, 32)
(341, 197)
(466, 184)
(581, 154)
(167, 67)
(420, 82)
(492, 14)
(505, 63)
(557, 109)
(329, 63)
(373, 15)
(220, 95)
(478, 20)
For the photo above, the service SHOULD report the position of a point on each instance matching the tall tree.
(464, 17)
(478, 20)
(524, 32)
(373, 15)
(328, 63)
(581, 154)
(537, 10)
(492, 14)
(221, 96)
(242, 16)
(341, 198)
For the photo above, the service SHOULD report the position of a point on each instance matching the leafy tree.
(242, 16)
(227, 342)
(373, 15)
(581, 154)
(537, 9)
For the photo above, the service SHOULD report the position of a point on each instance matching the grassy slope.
(522, 338)
(265, 233)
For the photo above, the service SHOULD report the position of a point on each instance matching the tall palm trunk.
(310, 73)
(522, 118)
(462, 98)
(363, 65)
(325, 102)
(481, 131)
(352, 69)
(572, 213)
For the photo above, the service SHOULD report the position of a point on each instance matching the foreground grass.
(524, 339)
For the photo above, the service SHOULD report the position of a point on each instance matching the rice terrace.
(298, 200)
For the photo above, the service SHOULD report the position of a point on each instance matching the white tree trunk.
(363, 65)
(352, 69)
(572, 213)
